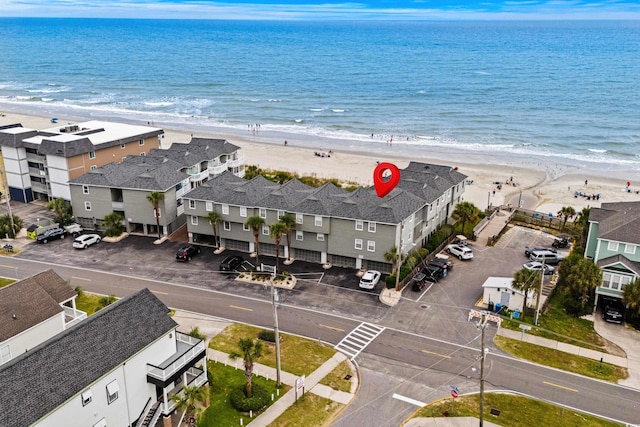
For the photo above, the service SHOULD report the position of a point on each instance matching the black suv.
(52, 234)
(186, 252)
(231, 263)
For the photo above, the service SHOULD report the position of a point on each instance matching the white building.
(499, 290)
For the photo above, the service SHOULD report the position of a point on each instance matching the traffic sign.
(454, 394)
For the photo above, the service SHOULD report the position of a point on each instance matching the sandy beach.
(537, 184)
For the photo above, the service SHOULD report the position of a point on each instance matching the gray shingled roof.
(619, 221)
(44, 378)
(32, 300)
(196, 151)
(421, 184)
(135, 172)
(632, 265)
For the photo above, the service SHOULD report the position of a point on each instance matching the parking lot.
(440, 307)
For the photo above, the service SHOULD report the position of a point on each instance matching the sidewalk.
(567, 348)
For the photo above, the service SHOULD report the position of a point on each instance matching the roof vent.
(14, 317)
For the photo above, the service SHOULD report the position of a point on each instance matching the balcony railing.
(39, 187)
(217, 169)
(195, 347)
(196, 377)
(36, 158)
(73, 316)
(237, 162)
(197, 177)
(117, 205)
(182, 191)
(180, 209)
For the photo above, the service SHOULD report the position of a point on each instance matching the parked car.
(529, 249)
(433, 272)
(612, 314)
(537, 266)
(419, 282)
(231, 263)
(186, 252)
(561, 241)
(86, 240)
(442, 263)
(548, 256)
(73, 229)
(369, 279)
(462, 252)
(51, 234)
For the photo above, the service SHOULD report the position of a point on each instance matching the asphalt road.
(396, 362)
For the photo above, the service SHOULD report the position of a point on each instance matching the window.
(192, 204)
(87, 206)
(629, 249)
(142, 154)
(612, 246)
(93, 167)
(141, 142)
(265, 230)
(318, 221)
(5, 353)
(243, 211)
(615, 281)
(92, 154)
(122, 146)
(159, 213)
(371, 245)
(263, 213)
(225, 209)
(245, 227)
(359, 225)
(280, 214)
(299, 235)
(112, 391)
(226, 225)
(194, 220)
(372, 227)
(358, 244)
(320, 237)
(86, 397)
(85, 189)
(299, 217)
(209, 206)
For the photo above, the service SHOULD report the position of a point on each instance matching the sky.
(326, 9)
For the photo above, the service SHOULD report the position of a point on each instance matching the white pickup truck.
(73, 229)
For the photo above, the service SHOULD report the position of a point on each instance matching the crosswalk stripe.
(358, 339)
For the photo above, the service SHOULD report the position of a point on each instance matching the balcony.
(198, 177)
(39, 187)
(37, 172)
(216, 170)
(36, 158)
(237, 162)
(196, 377)
(189, 351)
(72, 316)
(182, 191)
(180, 210)
(117, 205)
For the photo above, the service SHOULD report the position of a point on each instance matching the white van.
(548, 257)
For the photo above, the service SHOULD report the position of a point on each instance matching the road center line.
(81, 278)
(333, 328)
(560, 386)
(241, 308)
(408, 400)
(436, 354)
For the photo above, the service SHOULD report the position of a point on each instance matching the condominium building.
(38, 164)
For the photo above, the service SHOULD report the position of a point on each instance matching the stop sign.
(454, 393)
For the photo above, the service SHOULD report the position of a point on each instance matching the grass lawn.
(89, 303)
(336, 378)
(557, 325)
(310, 411)
(561, 360)
(4, 281)
(298, 356)
(225, 379)
(514, 411)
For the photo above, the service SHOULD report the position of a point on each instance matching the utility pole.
(7, 198)
(483, 325)
(275, 328)
(535, 322)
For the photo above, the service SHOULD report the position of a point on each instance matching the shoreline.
(542, 185)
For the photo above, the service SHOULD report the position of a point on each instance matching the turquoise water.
(559, 89)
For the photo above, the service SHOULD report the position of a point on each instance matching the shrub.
(240, 401)
(267, 335)
(390, 281)
(79, 291)
(195, 332)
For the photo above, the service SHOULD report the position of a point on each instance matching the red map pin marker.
(383, 184)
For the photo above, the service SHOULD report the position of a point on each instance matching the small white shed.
(499, 290)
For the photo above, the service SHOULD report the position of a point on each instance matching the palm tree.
(10, 225)
(113, 223)
(188, 399)
(631, 296)
(583, 224)
(255, 223)
(289, 222)
(567, 212)
(62, 209)
(526, 280)
(155, 198)
(250, 350)
(276, 231)
(466, 212)
(392, 256)
(214, 219)
(583, 279)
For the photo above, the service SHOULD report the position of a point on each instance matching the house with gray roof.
(39, 163)
(33, 310)
(116, 368)
(123, 187)
(613, 243)
(333, 226)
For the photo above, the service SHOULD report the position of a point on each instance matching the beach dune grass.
(310, 410)
(514, 411)
(298, 356)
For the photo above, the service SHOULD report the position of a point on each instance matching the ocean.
(563, 90)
